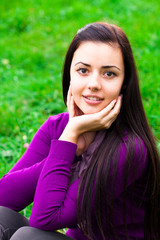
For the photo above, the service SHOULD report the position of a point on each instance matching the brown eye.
(109, 74)
(82, 71)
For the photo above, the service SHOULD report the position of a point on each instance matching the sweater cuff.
(62, 150)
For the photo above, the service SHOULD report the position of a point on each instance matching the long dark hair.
(97, 185)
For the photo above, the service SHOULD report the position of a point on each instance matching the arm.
(54, 204)
(38, 148)
(17, 188)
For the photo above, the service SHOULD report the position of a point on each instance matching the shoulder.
(61, 118)
(55, 125)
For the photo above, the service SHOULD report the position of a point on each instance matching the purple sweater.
(42, 175)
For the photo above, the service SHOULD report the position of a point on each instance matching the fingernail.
(121, 96)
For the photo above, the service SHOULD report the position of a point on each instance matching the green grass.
(34, 36)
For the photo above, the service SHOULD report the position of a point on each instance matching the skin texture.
(98, 79)
(97, 74)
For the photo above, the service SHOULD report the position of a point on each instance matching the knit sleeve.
(17, 187)
(54, 204)
(40, 145)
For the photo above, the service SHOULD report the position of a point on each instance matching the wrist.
(69, 135)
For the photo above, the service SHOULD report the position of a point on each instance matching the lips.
(93, 98)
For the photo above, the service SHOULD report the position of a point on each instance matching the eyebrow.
(108, 66)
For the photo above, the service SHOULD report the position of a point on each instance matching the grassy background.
(34, 36)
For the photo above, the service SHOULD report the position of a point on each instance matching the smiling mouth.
(93, 98)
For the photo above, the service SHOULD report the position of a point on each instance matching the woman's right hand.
(79, 124)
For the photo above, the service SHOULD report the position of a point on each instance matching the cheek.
(112, 91)
(116, 88)
(117, 91)
(74, 89)
(73, 81)
(76, 86)
(112, 88)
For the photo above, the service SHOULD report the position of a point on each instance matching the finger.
(117, 107)
(70, 103)
(69, 94)
(71, 108)
(109, 123)
(78, 111)
(105, 111)
(111, 112)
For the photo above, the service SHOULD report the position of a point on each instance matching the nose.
(94, 82)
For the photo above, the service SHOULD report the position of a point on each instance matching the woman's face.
(97, 74)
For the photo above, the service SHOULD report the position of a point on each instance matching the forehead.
(98, 53)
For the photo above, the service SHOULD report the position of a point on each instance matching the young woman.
(95, 169)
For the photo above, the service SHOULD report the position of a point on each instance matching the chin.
(92, 111)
